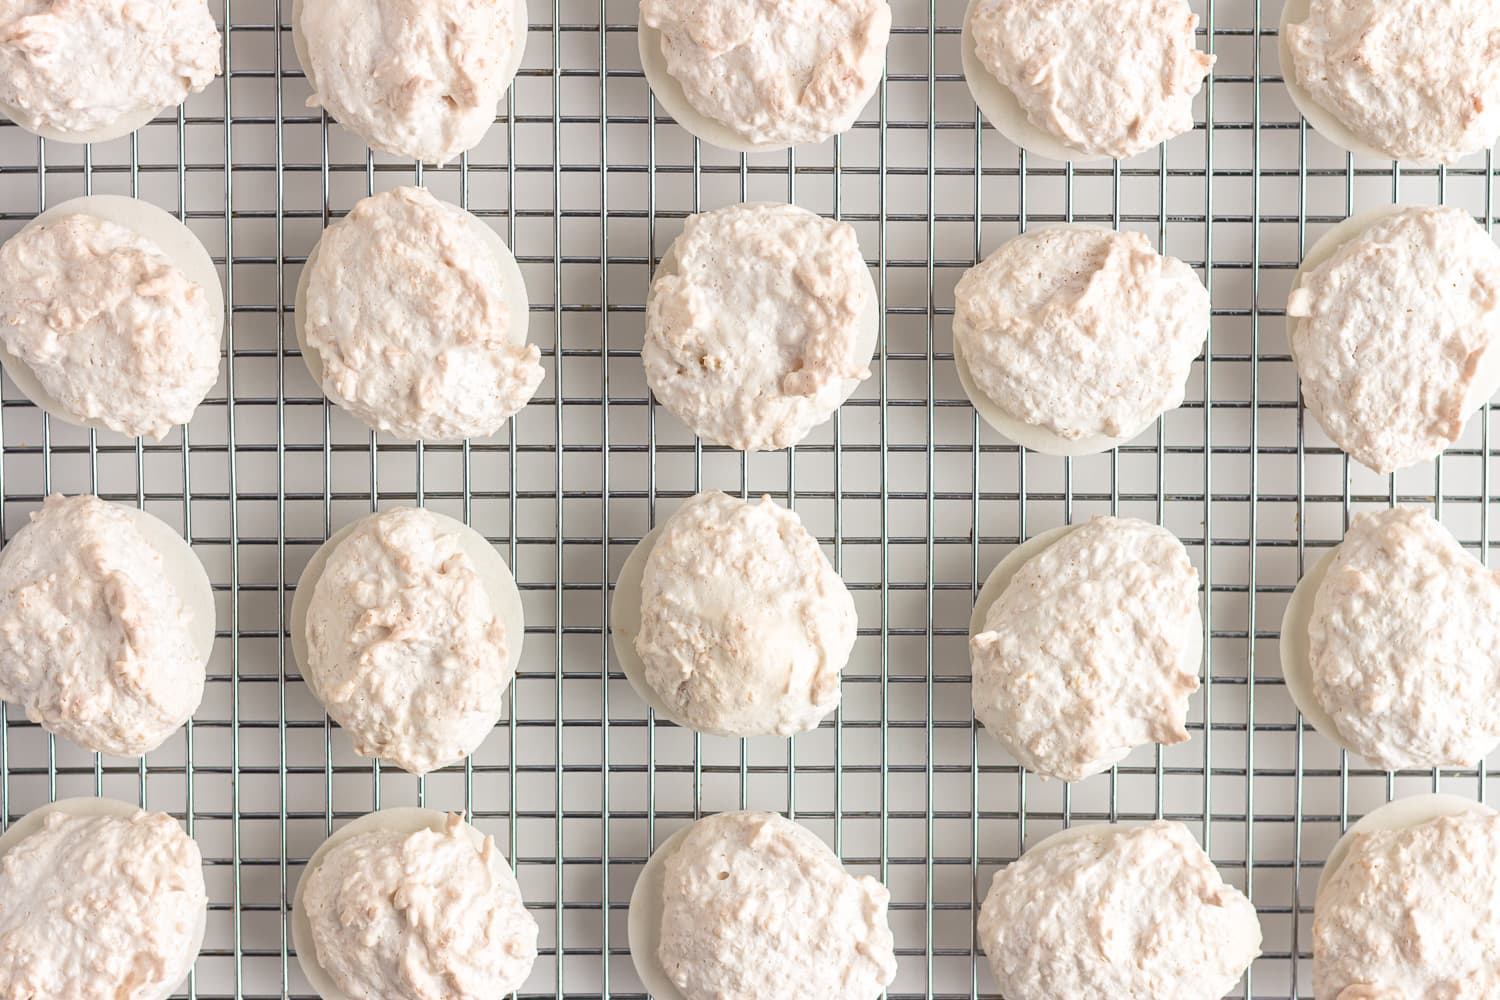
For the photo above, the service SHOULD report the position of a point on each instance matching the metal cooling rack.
(917, 500)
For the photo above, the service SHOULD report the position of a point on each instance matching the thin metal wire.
(914, 496)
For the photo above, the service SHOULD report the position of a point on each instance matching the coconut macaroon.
(764, 74)
(412, 315)
(761, 321)
(1415, 80)
(729, 619)
(111, 315)
(1390, 645)
(1409, 904)
(1393, 323)
(1073, 340)
(106, 625)
(750, 904)
(99, 899)
(415, 78)
(1091, 79)
(94, 70)
(408, 627)
(1101, 912)
(1086, 643)
(408, 904)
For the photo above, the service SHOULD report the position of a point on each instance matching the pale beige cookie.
(1085, 80)
(98, 897)
(1415, 80)
(748, 75)
(1104, 912)
(415, 78)
(439, 912)
(412, 314)
(106, 625)
(729, 619)
(1409, 905)
(1394, 324)
(761, 321)
(94, 70)
(408, 627)
(801, 925)
(1390, 644)
(1073, 340)
(111, 315)
(1085, 644)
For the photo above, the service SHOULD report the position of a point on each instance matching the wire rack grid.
(915, 499)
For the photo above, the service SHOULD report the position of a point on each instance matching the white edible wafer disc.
(1031, 436)
(88, 808)
(1399, 814)
(405, 821)
(869, 320)
(1324, 121)
(514, 290)
(1004, 112)
(175, 241)
(521, 19)
(494, 574)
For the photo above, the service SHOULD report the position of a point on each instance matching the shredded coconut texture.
(1106, 77)
(745, 626)
(94, 641)
(1416, 79)
(1412, 913)
(1397, 337)
(774, 71)
(80, 66)
(758, 908)
(406, 308)
(1081, 331)
(422, 916)
(755, 337)
(108, 324)
(103, 906)
(1091, 650)
(1404, 644)
(1118, 912)
(407, 652)
(414, 78)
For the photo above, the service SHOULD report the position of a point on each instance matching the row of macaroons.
(751, 76)
(728, 619)
(411, 903)
(761, 320)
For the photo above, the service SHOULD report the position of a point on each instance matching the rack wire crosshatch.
(915, 499)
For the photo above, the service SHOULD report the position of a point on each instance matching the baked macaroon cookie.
(750, 904)
(111, 315)
(1409, 904)
(412, 315)
(1074, 340)
(408, 625)
(729, 619)
(407, 904)
(1084, 79)
(1086, 643)
(761, 320)
(106, 625)
(99, 899)
(1391, 644)
(754, 75)
(94, 70)
(421, 79)
(1394, 324)
(1103, 911)
(1415, 80)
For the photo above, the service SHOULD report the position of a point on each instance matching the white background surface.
(577, 784)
